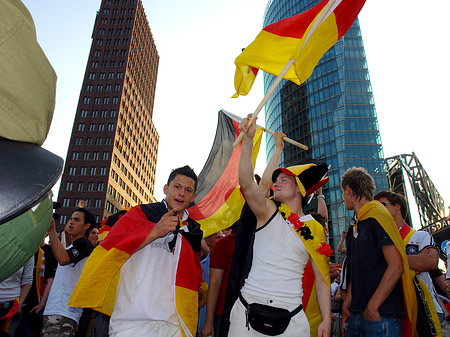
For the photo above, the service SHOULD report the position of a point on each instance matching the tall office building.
(111, 160)
(333, 113)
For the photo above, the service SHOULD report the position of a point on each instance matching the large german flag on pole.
(304, 37)
(218, 200)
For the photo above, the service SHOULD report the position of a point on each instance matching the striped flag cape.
(218, 199)
(374, 209)
(304, 37)
(97, 285)
(428, 312)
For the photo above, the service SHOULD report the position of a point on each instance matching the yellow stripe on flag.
(102, 269)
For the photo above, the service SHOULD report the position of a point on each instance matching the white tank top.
(279, 259)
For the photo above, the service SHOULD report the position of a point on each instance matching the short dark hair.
(394, 199)
(89, 218)
(186, 171)
(360, 181)
(91, 227)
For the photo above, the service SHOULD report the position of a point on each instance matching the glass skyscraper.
(333, 113)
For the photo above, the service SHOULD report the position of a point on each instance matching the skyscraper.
(333, 113)
(111, 160)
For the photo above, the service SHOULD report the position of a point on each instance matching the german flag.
(218, 200)
(97, 285)
(304, 37)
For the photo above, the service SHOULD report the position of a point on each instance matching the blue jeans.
(357, 326)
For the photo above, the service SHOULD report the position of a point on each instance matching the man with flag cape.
(150, 267)
(423, 257)
(380, 299)
(217, 200)
(284, 242)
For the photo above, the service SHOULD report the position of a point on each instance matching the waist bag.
(270, 321)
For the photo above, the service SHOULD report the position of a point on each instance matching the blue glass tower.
(333, 113)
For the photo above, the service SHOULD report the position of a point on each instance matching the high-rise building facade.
(111, 160)
(333, 113)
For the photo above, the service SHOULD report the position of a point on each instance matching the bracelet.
(321, 196)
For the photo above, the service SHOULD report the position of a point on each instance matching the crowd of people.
(268, 274)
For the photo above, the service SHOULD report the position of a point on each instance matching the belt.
(293, 312)
(6, 305)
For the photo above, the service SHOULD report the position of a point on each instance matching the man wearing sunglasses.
(421, 252)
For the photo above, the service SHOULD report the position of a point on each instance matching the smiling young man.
(59, 318)
(157, 294)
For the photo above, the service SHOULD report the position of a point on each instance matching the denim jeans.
(357, 326)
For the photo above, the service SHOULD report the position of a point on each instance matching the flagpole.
(323, 13)
(286, 139)
(265, 99)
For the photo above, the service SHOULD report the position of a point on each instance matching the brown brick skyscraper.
(111, 160)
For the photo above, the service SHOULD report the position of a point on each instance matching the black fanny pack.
(270, 321)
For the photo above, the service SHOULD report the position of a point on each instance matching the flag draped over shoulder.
(374, 209)
(304, 37)
(97, 285)
(218, 199)
(429, 310)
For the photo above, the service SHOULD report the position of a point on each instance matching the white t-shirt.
(418, 241)
(146, 289)
(64, 283)
(279, 260)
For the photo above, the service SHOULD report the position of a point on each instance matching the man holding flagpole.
(270, 300)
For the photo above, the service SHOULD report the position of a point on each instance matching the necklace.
(302, 228)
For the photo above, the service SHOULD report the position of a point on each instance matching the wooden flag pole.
(286, 139)
(283, 72)
(266, 98)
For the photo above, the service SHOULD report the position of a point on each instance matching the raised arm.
(321, 204)
(341, 242)
(59, 251)
(256, 200)
(266, 180)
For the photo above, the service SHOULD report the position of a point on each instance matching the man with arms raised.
(281, 250)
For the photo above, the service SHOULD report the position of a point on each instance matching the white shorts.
(151, 329)
(298, 326)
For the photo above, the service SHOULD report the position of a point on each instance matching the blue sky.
(198, 40)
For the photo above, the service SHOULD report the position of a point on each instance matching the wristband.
(321, 196)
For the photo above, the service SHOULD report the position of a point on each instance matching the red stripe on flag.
(190, 264)
(129, 232)
(295, 26)
(346, 13)
(308, 284)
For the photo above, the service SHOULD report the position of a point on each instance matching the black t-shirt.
(366, 266)
(50, 262)
(80, 249)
